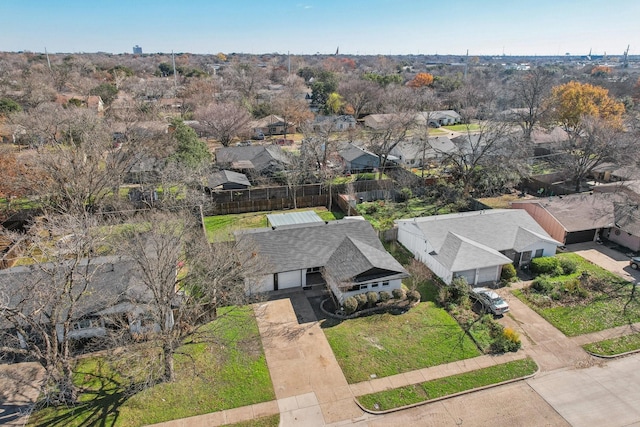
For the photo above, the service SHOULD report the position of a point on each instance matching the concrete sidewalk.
(432, 373)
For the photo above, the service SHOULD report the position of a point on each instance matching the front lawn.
(588, 300)
(408, 395)
(225, 372)
(221, 227)
(389, 344)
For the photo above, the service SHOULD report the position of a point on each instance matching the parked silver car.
(491, 301)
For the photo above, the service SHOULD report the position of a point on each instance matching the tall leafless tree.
(224, 121)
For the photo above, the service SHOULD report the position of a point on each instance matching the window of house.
(539, 253)
(385, 283)
(86, 324)
(374, 285)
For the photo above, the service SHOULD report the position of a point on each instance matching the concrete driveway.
(607, 258)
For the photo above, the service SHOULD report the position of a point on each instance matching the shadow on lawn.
(99, 404)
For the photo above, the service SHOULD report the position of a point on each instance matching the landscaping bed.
(582, 300)
(447, 386)
(227, 371)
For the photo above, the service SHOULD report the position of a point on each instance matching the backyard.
(382, 213)
(227, 371)
(587, 299)
(221, 227)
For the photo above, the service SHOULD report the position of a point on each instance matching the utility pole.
(49, 62)
(175, 75)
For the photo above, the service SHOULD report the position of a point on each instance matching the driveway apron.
(308, 382)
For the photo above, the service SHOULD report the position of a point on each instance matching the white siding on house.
(410, 237)
(263, 284)
(392, 284)
(623, 238)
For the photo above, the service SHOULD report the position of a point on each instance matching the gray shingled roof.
(259, 156)
(627, 217)
(225, 176)
(499, 229)
(111, 283)
(350, 152)
(353, 258)
(297, 247)
(458, 253)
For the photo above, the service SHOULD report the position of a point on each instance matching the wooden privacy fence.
(285, 197)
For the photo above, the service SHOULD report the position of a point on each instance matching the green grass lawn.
(226, 372)
(270, 421)
(389, 344)
(601, 309)
(396, 398)
(463, 127)
(364, 176)
(382, 213)
(221, 227)
(614, 346)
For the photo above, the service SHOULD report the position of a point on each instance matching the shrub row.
(371, 299)
(553, 266)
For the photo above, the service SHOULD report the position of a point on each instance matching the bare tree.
(391, 132)
(38, 316)
(186, 280)
(594, 142)
(223, 121)
(81, 164)
(529, 92)
(479, 158)
(359, 94)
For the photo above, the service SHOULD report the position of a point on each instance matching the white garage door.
(488, 274)
(289, 279)
(470, 275)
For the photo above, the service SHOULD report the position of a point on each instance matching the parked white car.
(491, 301)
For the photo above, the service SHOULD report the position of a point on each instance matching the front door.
(525, 257)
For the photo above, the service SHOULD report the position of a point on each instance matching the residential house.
(611, 172)
(272, 125)
(255, 159)
(546, 141)
(345, 254)
(227, 180)
(92, 102)
(438, 118)
(114, 295)
(339, 123)
(144, 169)
(475, 245)
(587, 217)
(355, 159)
(419, 153)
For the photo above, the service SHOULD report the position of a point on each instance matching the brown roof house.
(587, 217)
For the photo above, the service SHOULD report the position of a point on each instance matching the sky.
(489, 27)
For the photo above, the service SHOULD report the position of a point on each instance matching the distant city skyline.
(491, 27)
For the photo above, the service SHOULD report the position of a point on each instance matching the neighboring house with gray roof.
(259, 159)
(355, 159)
(475, 245)
(227, 180)
(415, 153)
(346, 254)
(114, 295)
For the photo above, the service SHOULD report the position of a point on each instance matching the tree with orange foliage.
(421, 80)
(573, 101)
(600, 71)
